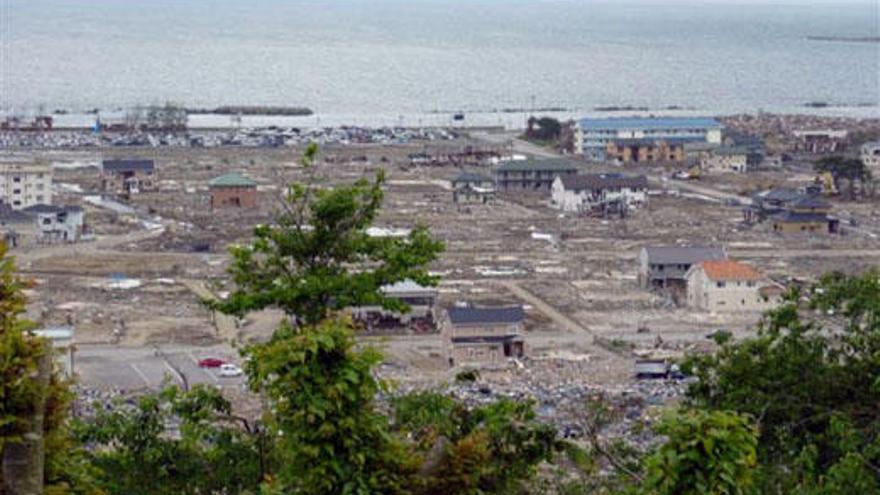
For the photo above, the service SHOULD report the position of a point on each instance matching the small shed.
(233, 191)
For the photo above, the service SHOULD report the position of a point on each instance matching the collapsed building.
(599, 194)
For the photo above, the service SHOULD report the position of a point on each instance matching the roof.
(654, 141)
(8, 215)
(465, 177)
(683, 255)
(731, 151)
(232, 180)
(42, 208)
(771, 290)
(784, 194)
(652, 123)
(406, 286)
(721, 270)
(546, 165)
(499, 315)
(128, 165)
(811, 202)
(602, 181)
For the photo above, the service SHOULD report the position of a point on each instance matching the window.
(750, 283)
(16, 179)
(16, 191)
(39, 198)
(39, 187)
(721, 285)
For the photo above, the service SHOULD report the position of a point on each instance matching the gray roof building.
(533, 165)
(594, 182)
(128, 165)
(482, 316)
(683, 255)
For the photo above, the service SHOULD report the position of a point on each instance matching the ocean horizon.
(408, 60)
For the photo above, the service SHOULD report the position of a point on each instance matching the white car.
(230, 370)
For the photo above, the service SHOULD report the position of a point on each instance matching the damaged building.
(599, 194)
(483, 336)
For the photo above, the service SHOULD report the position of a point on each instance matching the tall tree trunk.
(23, 461)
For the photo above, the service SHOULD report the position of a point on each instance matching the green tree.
(705, 453)
(545, 129)
(811, 383)
(318, 256)
(850, 170)
(490, 449)
(212, 452)
(37, 451)
(331, 437)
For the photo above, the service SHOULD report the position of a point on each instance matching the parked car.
(211, 363)
(230, 370)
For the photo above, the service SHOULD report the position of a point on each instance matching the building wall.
(660, 151)
(800, 227)
(115, 182)
(732, 296)
(23, 185)
(725, 163)
(481, 353)
(592, 142)
(870, 154)
(59, 227)
(243, 197)
(571, 201)
(525, 181)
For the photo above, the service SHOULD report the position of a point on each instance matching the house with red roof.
(721, 286)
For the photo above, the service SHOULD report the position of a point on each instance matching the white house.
(724, 286)
(585, 193)
(871, 156)
(726, 160)
(57, 223)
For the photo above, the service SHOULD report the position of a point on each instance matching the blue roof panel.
(638, 123)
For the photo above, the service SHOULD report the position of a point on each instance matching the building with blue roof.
(593, 135)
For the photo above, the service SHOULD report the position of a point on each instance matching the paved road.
(135, 368)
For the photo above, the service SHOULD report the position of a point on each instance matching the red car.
(211, 363)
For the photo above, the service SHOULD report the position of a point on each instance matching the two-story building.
(597, 193)
(125, 177)
(666, 267)
(870, 154)
(470, 187)
(421, 301)
(723, 286)
(56, 224)
(592, 136)
(483, 336)
(726, 159)
(641, 150)
(25, 184)
(531, 175)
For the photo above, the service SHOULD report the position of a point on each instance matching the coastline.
(506, 120)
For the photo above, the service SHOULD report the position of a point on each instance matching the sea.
(411, 62)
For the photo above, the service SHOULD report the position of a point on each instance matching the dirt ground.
(133, 293)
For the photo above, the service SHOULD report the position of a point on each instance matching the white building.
(584, 193)
(25, 184)
(724, 286)
(726, 160)
(871, 156)
(57, 223)
(593, 135)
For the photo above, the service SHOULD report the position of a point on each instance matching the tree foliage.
(811, 383)
(488, 449)
(22, 396)
(212, 451)
(705, 453)
(318, 256)
(331, 438)
(851, 171)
